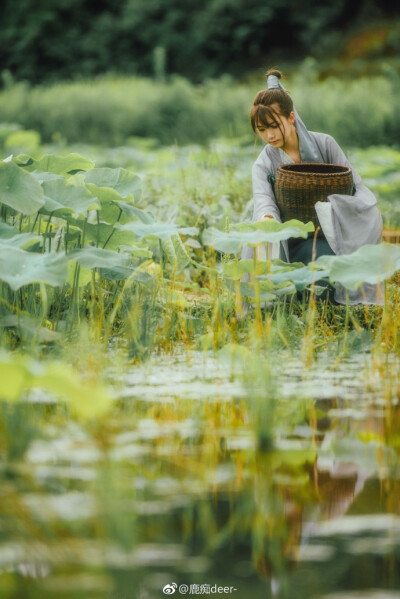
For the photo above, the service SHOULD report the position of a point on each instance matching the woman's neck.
(292, 147)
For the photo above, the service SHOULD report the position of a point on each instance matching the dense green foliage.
(110, 111)
(56, 40)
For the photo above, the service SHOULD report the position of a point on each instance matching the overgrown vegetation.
(111, 111)
(149, 426)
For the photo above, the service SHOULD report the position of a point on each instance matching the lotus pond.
(157, 436)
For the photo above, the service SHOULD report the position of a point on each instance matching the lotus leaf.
(254, 234)
(19, 190)
(106, 234)
(61, 197)
(300, 277)
(132, 212)
(159, 230)
(113, 184)
(91, 257)
(55, 163)
(18, 268)
(369, 264)
(20, 240)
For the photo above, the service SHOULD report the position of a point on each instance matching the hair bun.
(274, 72)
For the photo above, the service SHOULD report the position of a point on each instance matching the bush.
(110, 110)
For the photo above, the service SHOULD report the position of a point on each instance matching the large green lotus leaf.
(235, 269)
(134, 213)
(91, 257)
(369, 264)
(104, 233)
(13, 238)
(19, 189)
(18, 268)
(273, 226)
(55, 163)
(20, 240)
(300, 277)
(42, 176)
(137, 251)
(252, 235)
(61, 197)
(158, 230)
(113, 184)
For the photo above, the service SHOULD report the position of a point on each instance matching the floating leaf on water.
(19, 190)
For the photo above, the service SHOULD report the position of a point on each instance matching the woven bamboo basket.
(298, 187)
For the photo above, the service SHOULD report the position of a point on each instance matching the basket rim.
(288, 169)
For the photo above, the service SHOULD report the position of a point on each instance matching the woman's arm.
(263, 194)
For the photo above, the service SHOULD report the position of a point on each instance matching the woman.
(347, 221)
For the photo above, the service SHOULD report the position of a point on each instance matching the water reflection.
(177, 488)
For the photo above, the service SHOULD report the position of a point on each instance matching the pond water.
(213, 475)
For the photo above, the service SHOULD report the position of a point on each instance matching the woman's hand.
(266, 217)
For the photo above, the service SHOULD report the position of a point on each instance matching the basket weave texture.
(298, 187)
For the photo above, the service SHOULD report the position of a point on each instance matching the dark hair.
(261, 111)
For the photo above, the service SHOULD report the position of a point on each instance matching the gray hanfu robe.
(348, 221)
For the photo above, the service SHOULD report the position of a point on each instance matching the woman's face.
(271, 133)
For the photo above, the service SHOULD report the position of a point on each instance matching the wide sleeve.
(356, 218)
(263, 194)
